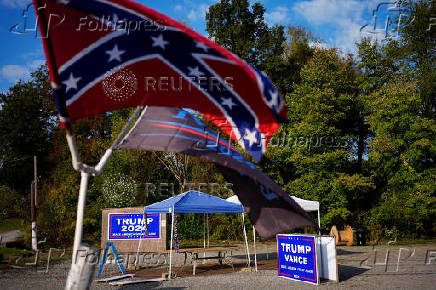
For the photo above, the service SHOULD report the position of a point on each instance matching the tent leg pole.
(207, 227)
(139, 243)
(246, 241)
(254, 244)
(319, 223)
(171, 244)
(204, 235)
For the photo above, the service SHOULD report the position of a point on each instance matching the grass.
(12, 256)
(199, 243)
(11, 224)
(12, 253)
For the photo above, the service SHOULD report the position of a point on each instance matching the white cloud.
(192, 15)
(347, 16)
(194, 11)
(319, 45)
(35, 64)
(37, 53)
(330, 11)
(14, 73)
(198, 13)
(15, 3)
(279, 14)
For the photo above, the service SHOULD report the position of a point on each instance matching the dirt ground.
(381, 267)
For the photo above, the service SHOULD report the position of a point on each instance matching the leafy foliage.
(360, 137)
(11, 204)
(118, 190)
(26, 129)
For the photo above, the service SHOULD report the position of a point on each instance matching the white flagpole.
(77, 277)
(84, 180)
(80, 274)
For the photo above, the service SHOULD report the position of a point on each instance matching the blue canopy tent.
(194, 202)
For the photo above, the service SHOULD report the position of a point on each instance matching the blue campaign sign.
(130, 226)
(297, 258)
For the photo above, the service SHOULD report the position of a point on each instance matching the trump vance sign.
(297, 258)
(131, 226)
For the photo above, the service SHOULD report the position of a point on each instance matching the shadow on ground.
(260, 256)
(148, 285)
(346, 272)
(343, 252)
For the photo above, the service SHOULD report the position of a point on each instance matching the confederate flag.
(105, 55)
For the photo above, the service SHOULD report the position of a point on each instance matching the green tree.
(313, 152)
(418, 43)
(27, 119)
(241, 28)
(402, 155)
(397, 83)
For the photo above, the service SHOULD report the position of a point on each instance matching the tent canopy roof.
(194, 202)
(307, 205)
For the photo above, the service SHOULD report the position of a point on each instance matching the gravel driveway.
(397, 267)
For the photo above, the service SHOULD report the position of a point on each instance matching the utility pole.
(35, 178)
(33, 194)
(33, 217)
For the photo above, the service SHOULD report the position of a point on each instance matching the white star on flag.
(115, 53)
(274, 99)
(227, 102)
(202, 46)
(250, 137)
(159, 41)
(195, 71)
(71, 83)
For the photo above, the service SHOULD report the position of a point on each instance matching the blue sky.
(337, 22)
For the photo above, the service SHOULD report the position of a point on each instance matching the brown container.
(131, 246)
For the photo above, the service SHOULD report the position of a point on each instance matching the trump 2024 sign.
(297, 258)
(131, 226)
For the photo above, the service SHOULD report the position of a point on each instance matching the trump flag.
(270, 208)
(105, 55)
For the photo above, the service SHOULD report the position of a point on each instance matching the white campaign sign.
(327, 257)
